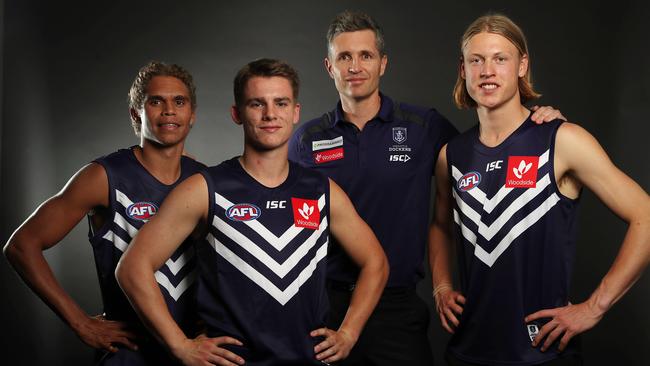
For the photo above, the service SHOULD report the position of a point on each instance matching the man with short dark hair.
(382, 153)
(119, 193)
(263, 262)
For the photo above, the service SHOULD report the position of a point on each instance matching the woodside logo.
(305, 213)
(522, 171)
(328, 155)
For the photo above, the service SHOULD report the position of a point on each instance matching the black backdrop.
(66, 69)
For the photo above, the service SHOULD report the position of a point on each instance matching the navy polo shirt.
(386, 170)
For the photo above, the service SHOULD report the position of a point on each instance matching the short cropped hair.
(503, 26)
(349, 21)
(138, 90)
(264, 67)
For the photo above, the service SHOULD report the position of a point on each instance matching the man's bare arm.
(45, 228)
(579, 159)
(361, 244)
(183, 209)
(448, 302)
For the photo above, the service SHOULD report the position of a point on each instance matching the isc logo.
(243, 212)
(403, 158)
(469, 181)
(276, 204)
(142, 211)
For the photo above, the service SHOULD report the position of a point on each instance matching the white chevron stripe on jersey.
(277, 242)
(518, 229)
(175, 291)
(176, 265)
(480, 196)
(118, 242)
(488, 232)
(279, 269)
(280, 296)
(123, 199)
(121, 222)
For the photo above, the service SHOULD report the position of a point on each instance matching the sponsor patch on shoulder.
(142, 211)
(328, 155)
(243, 212)
(326, 144)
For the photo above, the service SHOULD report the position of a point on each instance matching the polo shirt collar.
(386, 111)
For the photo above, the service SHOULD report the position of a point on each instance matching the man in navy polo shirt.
(382, 153)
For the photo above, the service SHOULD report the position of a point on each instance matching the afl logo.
(469, 181)
(142, 211)
(243, 212)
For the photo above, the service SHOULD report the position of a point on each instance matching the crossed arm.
(45, 228)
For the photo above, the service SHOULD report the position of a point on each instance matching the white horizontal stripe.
(277, 242)
(280, 296)
(280, 270)
(326, 144)
(175, 291)
(116, 240)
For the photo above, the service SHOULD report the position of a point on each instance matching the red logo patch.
(305, 213)
(321, 157)
(522, 171)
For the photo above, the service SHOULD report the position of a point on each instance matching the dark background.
(66, 69)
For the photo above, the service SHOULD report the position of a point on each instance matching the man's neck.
(270, 168)
(163, 162)
(499, 123)
(360, 111)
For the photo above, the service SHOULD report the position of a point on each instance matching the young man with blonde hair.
(382, 153)
(511, 190)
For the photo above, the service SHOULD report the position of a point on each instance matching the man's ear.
(234, 114)
(523, 66)
(135, 116)
(328, 66)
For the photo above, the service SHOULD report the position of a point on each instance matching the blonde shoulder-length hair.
(504, 26)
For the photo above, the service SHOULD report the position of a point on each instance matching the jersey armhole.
(93, 234)
(211, 200)
(551, 160)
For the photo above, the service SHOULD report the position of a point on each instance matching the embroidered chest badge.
(399, 134)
